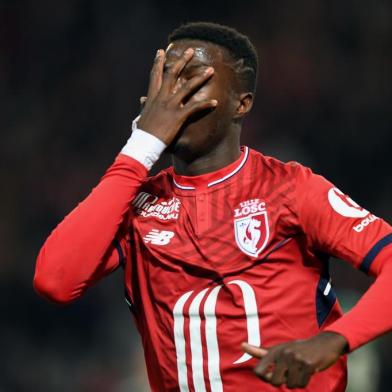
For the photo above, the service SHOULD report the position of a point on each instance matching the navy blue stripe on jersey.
(128, 300)
(372, 254)
(257, 262)
(325, 299)
(121, 255)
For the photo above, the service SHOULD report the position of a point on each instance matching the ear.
(244, 105)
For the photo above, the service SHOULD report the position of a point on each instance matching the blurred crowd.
(71, 74)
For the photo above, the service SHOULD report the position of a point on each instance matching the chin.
(192, 136)
(186, 147)
(183, 140)
(180, 146)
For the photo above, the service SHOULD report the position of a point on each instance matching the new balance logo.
(158, 237)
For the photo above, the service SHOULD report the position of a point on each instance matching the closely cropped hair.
(238, 45)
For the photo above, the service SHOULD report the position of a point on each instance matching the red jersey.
(210, 261)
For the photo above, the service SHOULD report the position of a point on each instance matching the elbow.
(51, 290)
(51, 282)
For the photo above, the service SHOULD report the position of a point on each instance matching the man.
(228, 245)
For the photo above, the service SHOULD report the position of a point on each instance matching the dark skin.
(203, 135)
(195, 105)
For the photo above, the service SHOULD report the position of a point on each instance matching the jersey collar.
(209, 180)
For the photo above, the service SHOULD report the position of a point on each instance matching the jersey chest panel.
(215, 238)
(224, 230)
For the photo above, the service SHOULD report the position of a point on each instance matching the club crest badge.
(251, 227)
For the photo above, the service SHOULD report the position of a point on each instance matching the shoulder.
(275, 167)
(159, 183)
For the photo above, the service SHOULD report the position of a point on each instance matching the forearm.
(372, 315)
(79, 251)
(75, 249)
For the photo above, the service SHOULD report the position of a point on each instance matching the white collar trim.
(227, 176)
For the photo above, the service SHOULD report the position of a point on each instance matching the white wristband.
(143, 146)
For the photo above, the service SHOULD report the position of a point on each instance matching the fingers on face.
(163, 81)
(156, 74)
(173, 72)
(199, 106)
(192, 85)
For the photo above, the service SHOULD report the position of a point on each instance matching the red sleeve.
(87, 244)
(335, 224)
(372, 315)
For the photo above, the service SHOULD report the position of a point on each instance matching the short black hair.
(237, 44)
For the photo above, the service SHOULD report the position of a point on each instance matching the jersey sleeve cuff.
(342, 330)
(143, 147)
(371, 316)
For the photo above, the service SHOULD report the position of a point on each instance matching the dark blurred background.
(71, 73)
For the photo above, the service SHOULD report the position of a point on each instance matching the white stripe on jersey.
(179, 339)
(196, 346)
(212, 341)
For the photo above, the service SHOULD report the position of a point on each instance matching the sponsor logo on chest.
(251, 227)
(147, 205)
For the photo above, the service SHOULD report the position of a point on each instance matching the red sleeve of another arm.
(81, 250)
(372, 315)
(336, 225)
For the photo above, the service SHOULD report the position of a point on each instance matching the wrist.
(143, 146)
(335, 340)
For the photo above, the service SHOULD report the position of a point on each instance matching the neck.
(218, 157)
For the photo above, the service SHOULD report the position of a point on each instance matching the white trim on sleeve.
(143, 146)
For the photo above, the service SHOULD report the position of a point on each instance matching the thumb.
(254, 351)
